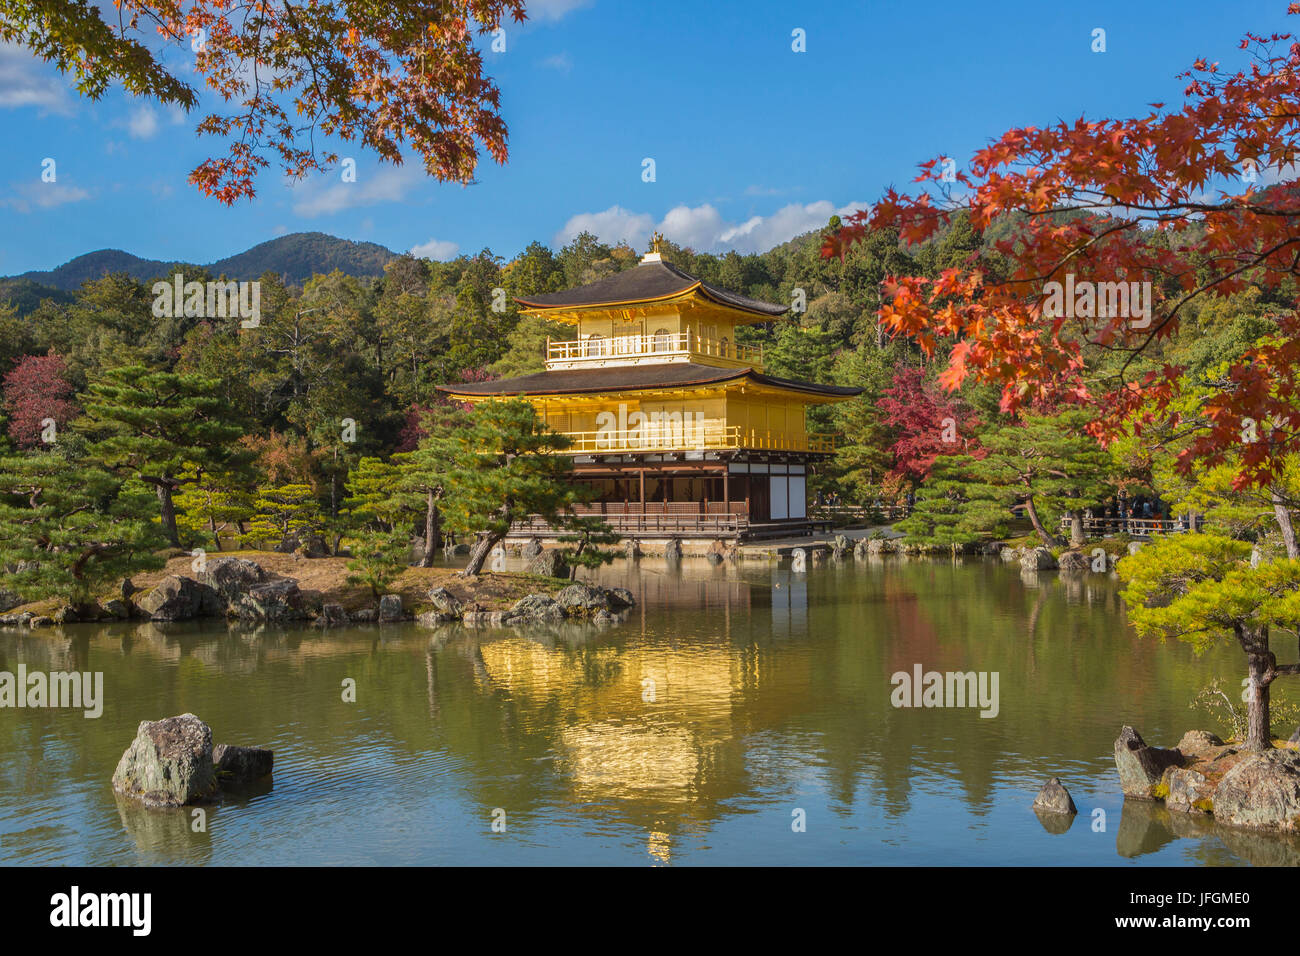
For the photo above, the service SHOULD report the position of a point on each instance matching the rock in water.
(1141, 767)
(390, 608)
(231, 577)
(673, 551)
(1187, 788)
(169, 764)
(583, 600)
(1198, 743)
(1038, 559)
(446, 607)
(1054, 798)
(1074, 561)
(534, 607)
(178, 599)
(274, 602)
(549, 564)
(1263, 790)
(632, 549)
(332, 615)
(620, 598)
(532, 549)
(241, 764)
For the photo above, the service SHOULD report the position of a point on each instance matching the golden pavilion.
(673, 424)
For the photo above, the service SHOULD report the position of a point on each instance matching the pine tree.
(72, 529)
(505, 466)
(587, 533)
(1202, 589)
(151, 425)
(424, 472)
(940, 517)
(210, 504)
(283, 513)
(1047, 463)
(378, 558)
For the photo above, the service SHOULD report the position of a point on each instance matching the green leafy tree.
(1201, 589)
(211, 504)
(378, 558)
(942, 514)
(505, 466)
(424, 473)
(72, 529)
(153, 426)
(1048, 464)
(284, 513)
(588, 534)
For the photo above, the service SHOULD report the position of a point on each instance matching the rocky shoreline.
(1203, 774)
(1202, 777)
(242, 589)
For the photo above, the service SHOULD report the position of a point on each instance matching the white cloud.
(143, 122)
(439, 250)
(560, 61)
(554, 9)
(327, 194)
(27, 81)
(703, 227)
(43, 196)
(614, 225)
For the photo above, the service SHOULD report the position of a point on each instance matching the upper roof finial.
(656, 238)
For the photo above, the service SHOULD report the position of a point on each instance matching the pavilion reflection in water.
(658, 730)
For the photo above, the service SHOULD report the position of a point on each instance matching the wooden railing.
(847, 514)
(1141, 527)
(688, 435)
(667, 345)
(666, 522)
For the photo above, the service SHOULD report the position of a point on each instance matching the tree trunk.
(432, 523)
(1076, 528)
(1032, 512)
(167, 512)
(1284, 524)
(1259, 667)
(479, 555)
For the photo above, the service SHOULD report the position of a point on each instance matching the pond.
(741, 715)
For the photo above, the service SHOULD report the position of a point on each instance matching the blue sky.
(753, 143)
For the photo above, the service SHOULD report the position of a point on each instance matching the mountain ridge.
(296, 256)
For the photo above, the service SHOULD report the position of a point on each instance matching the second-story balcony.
(638, 349)
(689, 436)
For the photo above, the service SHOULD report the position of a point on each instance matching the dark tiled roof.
(645, 282)
(632, 377)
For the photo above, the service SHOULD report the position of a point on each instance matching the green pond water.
(739, 716)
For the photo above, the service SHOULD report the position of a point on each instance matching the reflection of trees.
(761, 681)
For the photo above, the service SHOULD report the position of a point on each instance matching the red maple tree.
(1177, 198)
(927, 423)
(287, 76)
(37, 391)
